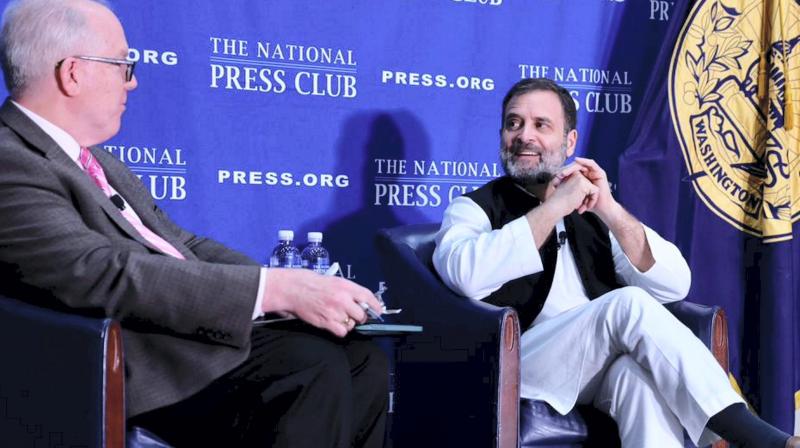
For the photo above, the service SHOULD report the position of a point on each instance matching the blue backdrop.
(344, 117)
(349, 116)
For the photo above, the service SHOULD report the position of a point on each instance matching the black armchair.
(62, 380)
(457, 383)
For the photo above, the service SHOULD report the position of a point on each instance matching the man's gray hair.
(35, 35)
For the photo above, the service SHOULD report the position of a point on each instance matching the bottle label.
(321, 265)
(290, 261)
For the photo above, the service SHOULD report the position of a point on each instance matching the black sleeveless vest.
(503, 201)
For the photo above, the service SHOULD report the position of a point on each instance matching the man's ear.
(67, 77)
(572, 139)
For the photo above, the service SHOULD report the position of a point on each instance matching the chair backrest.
(406, 258)
(467, 356)
(420, 238)
(62, 377)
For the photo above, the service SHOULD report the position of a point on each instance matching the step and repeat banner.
(345, 117)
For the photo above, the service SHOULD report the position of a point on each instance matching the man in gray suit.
(79, 231)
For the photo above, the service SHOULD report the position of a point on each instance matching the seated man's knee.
(313, 357)
(370, 365)
(378, 362)
(331, 372)
(635, 299)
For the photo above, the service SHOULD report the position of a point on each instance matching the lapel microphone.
(120, 203)
(562, 239)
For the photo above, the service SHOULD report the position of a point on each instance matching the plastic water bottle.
(285, 254)
(316, 257)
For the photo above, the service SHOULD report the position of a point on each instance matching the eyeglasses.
(129, 65)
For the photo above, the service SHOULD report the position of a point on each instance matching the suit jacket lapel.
(38, 140)
(129, 186)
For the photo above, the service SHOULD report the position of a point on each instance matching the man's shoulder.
(21, 139)
(15, 153)
(8, 136)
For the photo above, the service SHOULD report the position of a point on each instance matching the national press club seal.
(734, 80)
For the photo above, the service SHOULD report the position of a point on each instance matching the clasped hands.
(582, 186)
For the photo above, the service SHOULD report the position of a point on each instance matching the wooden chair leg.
(719, 348)
(508, 405)
(115, 389)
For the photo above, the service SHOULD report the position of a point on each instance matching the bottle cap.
(314, 237)
(285, 235)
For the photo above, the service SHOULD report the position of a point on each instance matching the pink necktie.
(95, 171)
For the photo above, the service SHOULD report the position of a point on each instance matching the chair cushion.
(585, 426)
(142, 438)
(541, 425)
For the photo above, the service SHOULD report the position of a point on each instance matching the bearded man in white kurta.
(588, 281)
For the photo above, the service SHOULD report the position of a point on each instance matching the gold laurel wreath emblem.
(740, 146)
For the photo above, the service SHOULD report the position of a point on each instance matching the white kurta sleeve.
(668, 280)
(475, 260)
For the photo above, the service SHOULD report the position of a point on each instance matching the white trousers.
(630, 357)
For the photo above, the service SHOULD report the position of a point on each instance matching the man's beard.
(550, 162)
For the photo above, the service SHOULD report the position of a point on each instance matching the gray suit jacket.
(63, 244)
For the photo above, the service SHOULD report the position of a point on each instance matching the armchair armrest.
(708, 323)
(446, 375)
(62, 377)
